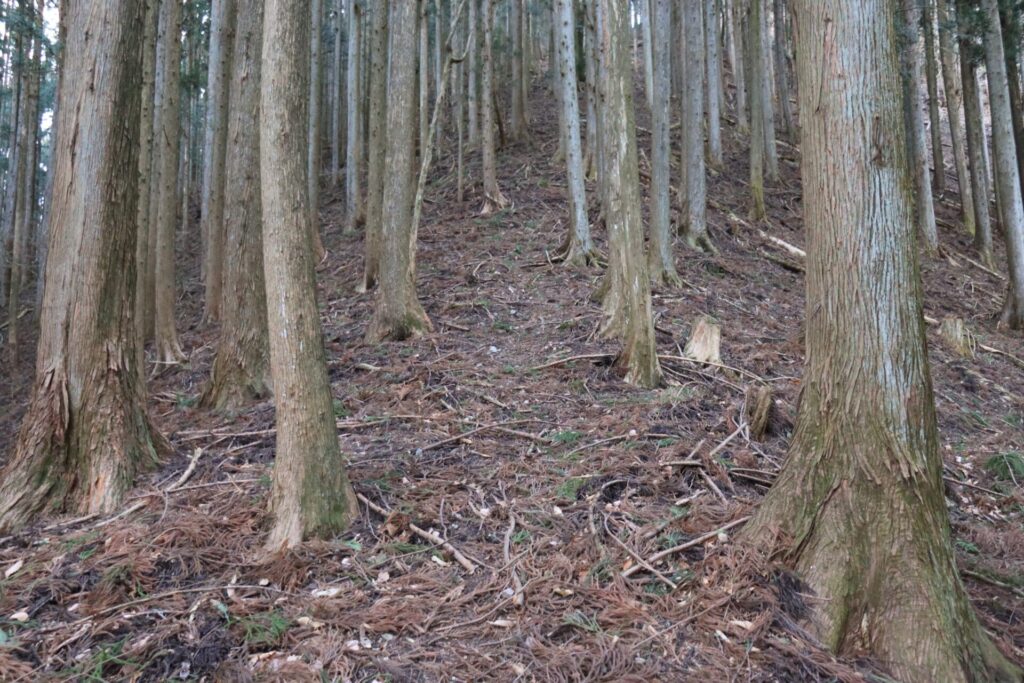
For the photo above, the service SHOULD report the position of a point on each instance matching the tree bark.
(931, 67)
(648, 47)
(314, 157)
(695, 227)
(627, 304)
(917, 143)
(1007, 175)
(378, 107)
(311, 494)
(473, 132)
(661, 260)
(976, 149)
(144, 279)
(86, 433)
(519, 124)
(494, 200)
(222, 22)
(241, 367)
(354, 209)
(338, 97)
(168, 136)
(858, 509)
(578, 249)
(953, 89)
(399, 315)
(714, 84)
(759, 134)
(782, 70)
(737, 15)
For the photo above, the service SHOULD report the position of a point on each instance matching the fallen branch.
(641, 562)
(700, 540)
(460, 437)
(570, 359)
(424, 534)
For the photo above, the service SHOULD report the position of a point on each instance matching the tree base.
(388, 326)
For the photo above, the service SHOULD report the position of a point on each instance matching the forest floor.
(550, 481)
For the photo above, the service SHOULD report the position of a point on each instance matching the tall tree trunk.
(515, 53)
(917, 144)
(14, 164)
(661, 260)
(1007, 175)
(931, 66)
(759, 135)
(338, 93)
(976, 150)
(714, 84)
(627, 304)
(378, 107)
(590, 160)
(86, 433)
(782, 69)
(354, 210)
(222, 26)
(579, 248)
(311, 492)
(314, 158)
(424, 72)
(859, 509)
(648, 47)
(471, 87)
(953, 89)
(148, 156)
(399, 315)
(695, 226)
(494, 200)
(241, 367)
(764, 60)
(737, 14)
(168, 349)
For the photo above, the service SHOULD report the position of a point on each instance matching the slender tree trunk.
(859, 509)
(354, 209)
(782, 69)
(519, 76)
(645, 25)
(627, 304)
(168, 349)
(311, 492)
(398, 314)
(916, 139)
(314, 157)
(338, 93)
(1007, 175)
(578, 248)
(471, 96)
(739, 63)
(241, 367)
(953, 89)
(714, 84)
(695, 227)
(14, 165)
(976, 150)
(222, 21)
(590, 160)
(494, 200)
(148, 170)
(931, 65)
(758, 131)
(86, 433)
(764, 60)
(661, 260)
(424, 71)
(378, 106)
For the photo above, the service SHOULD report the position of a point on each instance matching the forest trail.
(550, 481)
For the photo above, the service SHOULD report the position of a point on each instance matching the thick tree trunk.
(714, 84)
(354, 209)
(579, 248)
(241, 367)
(168, 349)
(311, 492)
(86, 433)
(628, 301)
(953, 89)
(1007, 175)
(661, 260)
(494, 200)
(378, 107)
(859, 507)
(222, 26)
(917, 145)
(398, 314)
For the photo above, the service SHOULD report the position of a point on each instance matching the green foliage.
(967, 547)
(1006, 466)
(569, 488)
(582, 621)
(566, 437)
(264, 629)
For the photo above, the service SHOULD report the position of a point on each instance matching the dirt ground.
(551, 482)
